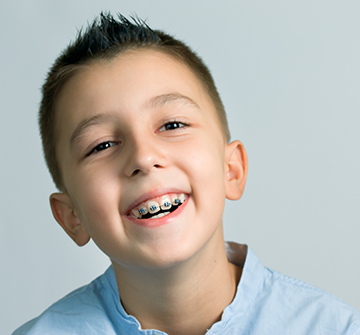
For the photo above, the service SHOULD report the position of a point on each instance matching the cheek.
(96, 196)
(207, 160)
(205, 169)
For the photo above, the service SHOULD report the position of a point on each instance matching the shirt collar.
(251, 280)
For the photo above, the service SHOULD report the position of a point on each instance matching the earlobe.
(236, 170)
(64, 214)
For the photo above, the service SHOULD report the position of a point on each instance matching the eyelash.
(178, 125)
(102, 146)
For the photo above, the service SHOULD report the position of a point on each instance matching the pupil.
(172, 125)
(103, 146)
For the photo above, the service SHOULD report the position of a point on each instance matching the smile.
(159, 207)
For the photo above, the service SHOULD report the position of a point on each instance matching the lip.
(153, 223)
(158, 192)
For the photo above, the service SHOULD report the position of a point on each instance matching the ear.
(236, 170)
(64, 213)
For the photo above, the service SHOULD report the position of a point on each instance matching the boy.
(136, 139)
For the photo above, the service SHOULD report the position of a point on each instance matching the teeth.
(143, 210)
(175, 200)
(160, 215)
(165, 203)
(136, 213)
(182, 197)
(153, 207)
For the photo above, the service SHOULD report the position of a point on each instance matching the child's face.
(137, 128)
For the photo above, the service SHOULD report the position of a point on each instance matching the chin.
(167, 255)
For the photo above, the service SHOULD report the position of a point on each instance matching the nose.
(143, 155)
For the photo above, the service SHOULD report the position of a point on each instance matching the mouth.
(158, 207)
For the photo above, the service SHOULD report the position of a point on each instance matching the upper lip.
(152, 194)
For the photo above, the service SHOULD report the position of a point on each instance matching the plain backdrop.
(289, 75)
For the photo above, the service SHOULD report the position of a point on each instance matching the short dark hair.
(105, 38)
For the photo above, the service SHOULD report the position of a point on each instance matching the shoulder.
(296, 302)
(80, 312)
(293, 290)
(269, 302)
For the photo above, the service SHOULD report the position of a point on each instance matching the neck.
(187, 298)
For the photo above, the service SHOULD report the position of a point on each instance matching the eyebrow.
(171, 98)
(95, 120)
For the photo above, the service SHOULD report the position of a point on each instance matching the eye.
(101, 147)
(173, 125)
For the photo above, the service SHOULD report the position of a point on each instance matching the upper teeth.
(165, 203)
(153, 206)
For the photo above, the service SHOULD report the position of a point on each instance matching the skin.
(155, 142)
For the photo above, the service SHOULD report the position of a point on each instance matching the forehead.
(128, 82)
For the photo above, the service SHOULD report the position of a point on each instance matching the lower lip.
(153, 223)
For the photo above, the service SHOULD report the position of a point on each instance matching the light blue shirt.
(266, 302)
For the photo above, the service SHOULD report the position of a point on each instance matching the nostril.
(144, 169)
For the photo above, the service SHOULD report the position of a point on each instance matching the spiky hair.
(106, 38)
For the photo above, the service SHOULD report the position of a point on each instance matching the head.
(106, 39)
(137, 127)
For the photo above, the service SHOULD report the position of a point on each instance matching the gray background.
(288, 73)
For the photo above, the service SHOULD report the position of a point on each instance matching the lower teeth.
(160, 215)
